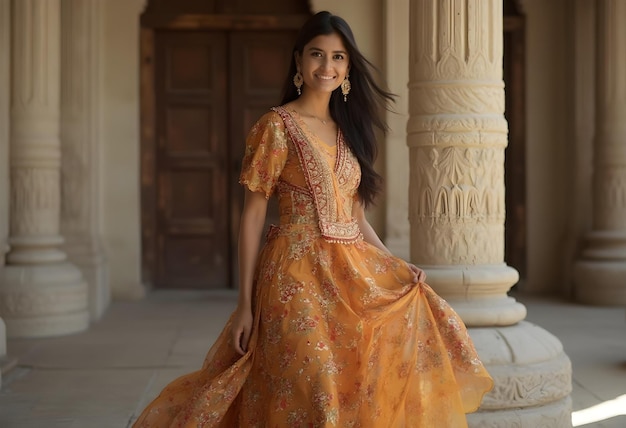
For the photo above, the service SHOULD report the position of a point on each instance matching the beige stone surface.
(144, 345)
(81, 163)
(120, 144)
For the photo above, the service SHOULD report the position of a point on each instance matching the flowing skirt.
(341, 338)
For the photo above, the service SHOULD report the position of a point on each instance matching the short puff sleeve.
(265, 154)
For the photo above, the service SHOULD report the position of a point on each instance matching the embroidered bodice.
(315, 183)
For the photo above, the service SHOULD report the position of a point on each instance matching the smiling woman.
(324, 64)
(331, 330)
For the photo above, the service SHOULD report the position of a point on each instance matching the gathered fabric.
(341, 335)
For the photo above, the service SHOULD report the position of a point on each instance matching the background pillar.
(457, 134)
(41, 294)
(80, 137)
(600, 275)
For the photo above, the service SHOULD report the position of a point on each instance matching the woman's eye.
(317, 54)
(338, 57)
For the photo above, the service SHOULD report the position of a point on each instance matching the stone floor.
(103, 377)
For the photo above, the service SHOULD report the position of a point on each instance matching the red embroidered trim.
(319, 179)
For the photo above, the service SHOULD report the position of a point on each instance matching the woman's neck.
(313, 105)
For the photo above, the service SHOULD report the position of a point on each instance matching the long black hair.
(366, 102)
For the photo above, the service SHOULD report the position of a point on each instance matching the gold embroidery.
(335, 225)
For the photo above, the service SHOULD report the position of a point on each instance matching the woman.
(330, 330)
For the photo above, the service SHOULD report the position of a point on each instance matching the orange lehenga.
(341, 337)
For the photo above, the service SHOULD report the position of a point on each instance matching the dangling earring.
(298, 81)
(345, 88)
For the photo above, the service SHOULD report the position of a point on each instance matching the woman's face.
(324, 63)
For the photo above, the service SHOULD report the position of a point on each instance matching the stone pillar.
(5, 82)
(41, 294)
(600, 276)
(457, 134)
(396, 37)
(80, 131)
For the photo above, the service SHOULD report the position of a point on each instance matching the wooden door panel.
(258, 62)
(209, 88)
(192, 211)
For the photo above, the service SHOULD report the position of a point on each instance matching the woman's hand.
(418, 274)
(241, 329)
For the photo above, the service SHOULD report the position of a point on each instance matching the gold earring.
(345, 88)
(298, 81)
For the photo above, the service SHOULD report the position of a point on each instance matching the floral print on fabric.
(341, 337)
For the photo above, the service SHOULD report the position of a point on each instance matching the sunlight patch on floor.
(600, 412)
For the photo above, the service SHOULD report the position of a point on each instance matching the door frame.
(150, 23)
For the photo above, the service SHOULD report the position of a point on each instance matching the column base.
(532, 376)
(89, 258)
(478, 293)
(43, 300)
(599, 282)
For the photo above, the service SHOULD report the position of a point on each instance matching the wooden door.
(192, 198)
(259, 61)
(209, 88)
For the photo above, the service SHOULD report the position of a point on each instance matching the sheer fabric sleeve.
(265, 154)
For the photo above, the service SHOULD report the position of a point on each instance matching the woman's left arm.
(370, 236)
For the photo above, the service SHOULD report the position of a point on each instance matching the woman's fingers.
(241, 329)
(245, 338)
(237, 340)
(418, 274)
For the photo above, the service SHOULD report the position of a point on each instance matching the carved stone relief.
(34, 201)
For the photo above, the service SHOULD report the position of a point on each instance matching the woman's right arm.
(250, 230)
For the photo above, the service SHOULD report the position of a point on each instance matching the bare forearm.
(370, 236)
(250, 229)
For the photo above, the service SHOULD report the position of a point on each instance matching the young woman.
(331, 330)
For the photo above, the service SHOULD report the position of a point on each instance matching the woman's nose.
(326, 63)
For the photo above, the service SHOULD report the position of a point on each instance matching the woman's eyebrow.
(313, 48)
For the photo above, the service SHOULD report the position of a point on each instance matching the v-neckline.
(308, 132)
(309, 136)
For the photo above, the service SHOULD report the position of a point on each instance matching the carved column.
(457, 134)
(80, 195)
(41, 294)
(600, 277)
(5, 82)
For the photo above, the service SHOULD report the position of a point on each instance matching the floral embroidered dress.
(341, 337)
